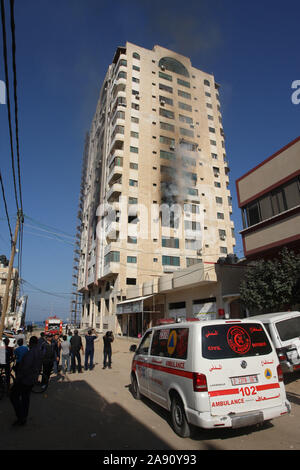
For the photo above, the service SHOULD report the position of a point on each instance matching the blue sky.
(63, 50)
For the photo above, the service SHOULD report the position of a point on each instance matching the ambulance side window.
(172, 343)
(145, 344)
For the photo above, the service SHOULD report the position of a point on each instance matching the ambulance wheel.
(135, 388)
(178, 418)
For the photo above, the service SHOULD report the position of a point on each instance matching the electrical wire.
(8, 99)
(61, 295)
(12, 25)
(5, 206)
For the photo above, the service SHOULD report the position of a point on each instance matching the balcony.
(115, 170)
(112, 230)
(114, 192)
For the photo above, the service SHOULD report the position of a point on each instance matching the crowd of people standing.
(49, 353)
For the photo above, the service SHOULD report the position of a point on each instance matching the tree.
(272, 285)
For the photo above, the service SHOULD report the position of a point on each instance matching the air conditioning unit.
(163, 67)
(162, 102)
(199, 252)
(222, 237)
(172, 147)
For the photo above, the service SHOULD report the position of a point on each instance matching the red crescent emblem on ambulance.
(238, 339)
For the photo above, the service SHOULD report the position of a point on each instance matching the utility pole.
(20, 218)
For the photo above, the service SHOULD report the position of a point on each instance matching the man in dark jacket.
(89, 349)
(26, 376)
(107, 340)
(76, 346)
(48, 358)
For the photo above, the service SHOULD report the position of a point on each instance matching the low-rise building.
(269, 197)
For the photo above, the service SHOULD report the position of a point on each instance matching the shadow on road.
(71, 415)
(206, 435)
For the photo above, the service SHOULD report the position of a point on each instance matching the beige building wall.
(125, 161)
(280, 166)
(13, 289)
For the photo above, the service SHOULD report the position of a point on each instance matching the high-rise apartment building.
(155, 187)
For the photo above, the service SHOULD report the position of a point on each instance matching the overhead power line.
(5, 205)
(12, 26)
(8, 99)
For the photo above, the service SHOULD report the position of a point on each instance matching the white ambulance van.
(284, 330)
(221, 373)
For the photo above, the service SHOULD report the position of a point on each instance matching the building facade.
(12, 307)
(156, 193)
(269, 197)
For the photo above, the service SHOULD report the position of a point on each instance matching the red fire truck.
(53, 325)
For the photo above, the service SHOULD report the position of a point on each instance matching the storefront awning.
(132, 305)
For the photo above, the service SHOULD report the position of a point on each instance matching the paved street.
(95, 410)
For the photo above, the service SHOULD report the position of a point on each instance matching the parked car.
(222, 373)
(284, 330)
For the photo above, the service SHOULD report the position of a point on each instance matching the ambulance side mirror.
(132, 348)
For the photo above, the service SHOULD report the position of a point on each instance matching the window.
(187, 132)
(288, 329)
(166, 113)
(167, 127)
(112, 256)
(173, 65)
(192, 225)
(135, 80)
(171, 260)
(135, 55)
(134, 67)
(184, 106)
(134, 119)
(166, 100)
(162, 338)
(253, 213)
(134, 149)
(167, 88)
(165, 76)
(192, 261)
(220, 215)
(134, 134)
(212, 129)
(292, 194)
(131, 239)
(145, 344)
(131, 259)
(219, 200)
(186, 119)
(206, 82)
(166, 140)
(192, 191)
(132, 200)
(133, 183)
(191, 244)
(183, 83)
(184, 94)
(170, 242)
(223, 250)
(135, 106)
(133, 166)
(222, 234)
(131, 281)
(167, 155)
(253, 341)
(273, 203)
